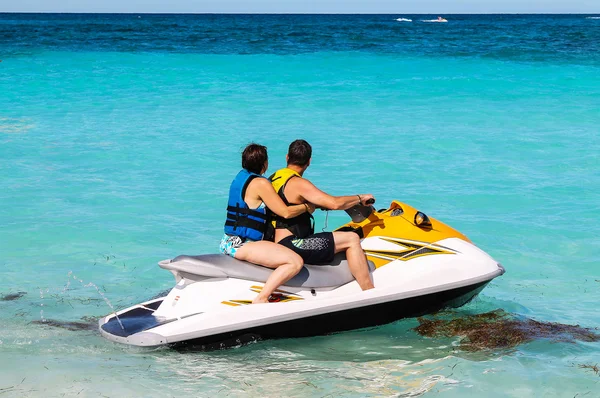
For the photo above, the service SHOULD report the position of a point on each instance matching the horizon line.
(295, 13)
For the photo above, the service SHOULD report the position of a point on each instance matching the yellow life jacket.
(281, 177)
(301, 226)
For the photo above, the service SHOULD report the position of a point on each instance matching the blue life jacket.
(241, 220)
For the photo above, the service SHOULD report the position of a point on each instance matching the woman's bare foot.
(260, 300)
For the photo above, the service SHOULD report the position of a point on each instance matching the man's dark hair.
(254, 158)
(299, 153)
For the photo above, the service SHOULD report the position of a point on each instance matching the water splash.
(67, 286)
(42, 305)
(106, 300)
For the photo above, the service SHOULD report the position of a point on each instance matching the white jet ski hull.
(213, 311)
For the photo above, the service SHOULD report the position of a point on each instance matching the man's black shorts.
(317, 249)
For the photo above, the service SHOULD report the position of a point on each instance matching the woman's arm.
(267, 194)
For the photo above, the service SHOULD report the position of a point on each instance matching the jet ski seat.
(223, 266)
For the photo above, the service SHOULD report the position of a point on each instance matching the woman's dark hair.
(299, 153)
(254, 158)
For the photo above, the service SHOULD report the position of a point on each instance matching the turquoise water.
(120, 135)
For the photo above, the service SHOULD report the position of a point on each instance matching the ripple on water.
(15, 126)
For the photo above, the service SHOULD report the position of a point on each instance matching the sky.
(305, 6)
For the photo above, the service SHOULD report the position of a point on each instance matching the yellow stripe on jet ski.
(230, 303)
(241, 302)
(410, 249)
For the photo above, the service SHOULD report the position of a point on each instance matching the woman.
(250, 195)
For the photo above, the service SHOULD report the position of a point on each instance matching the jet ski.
(419, 266)
(439, 19)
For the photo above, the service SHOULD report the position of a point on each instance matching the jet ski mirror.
(360, 213)
(421, 220)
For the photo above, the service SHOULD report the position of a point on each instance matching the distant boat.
(403, 20)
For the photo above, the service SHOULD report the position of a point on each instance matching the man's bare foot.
(366, 284)
(260, 300)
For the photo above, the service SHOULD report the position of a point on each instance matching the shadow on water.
(12, 296)
(500, 329)
(159, 295)
(68, 325)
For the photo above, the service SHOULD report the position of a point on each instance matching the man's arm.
(307, 191)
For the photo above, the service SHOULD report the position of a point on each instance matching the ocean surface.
(120, 134)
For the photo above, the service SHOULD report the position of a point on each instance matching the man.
(298, 233)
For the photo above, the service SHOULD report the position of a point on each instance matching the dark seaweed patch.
(90, 319)
(499, 329)
(593, 368)
(12, 296)
(72, 326)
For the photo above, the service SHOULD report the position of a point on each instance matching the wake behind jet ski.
(419, 266)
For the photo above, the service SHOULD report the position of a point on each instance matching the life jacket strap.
(248, 223)
(251, 212)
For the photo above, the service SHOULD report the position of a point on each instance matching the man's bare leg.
(357, 261)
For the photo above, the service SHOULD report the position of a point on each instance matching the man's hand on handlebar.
(366, 199)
